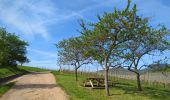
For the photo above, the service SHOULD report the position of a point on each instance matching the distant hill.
(159, 67)
(151, 68)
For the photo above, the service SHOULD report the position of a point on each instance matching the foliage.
(70, 52)
(105, 38)
(146, 40)
(12, 49)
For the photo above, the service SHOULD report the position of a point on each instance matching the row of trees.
(121, 38)
(12, 49)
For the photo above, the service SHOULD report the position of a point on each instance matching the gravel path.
(35, 86)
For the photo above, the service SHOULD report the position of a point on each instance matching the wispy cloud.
(80, 12)
(33, 17)
(27, 16)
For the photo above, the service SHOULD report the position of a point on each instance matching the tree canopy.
(12, 49)
(70, 52)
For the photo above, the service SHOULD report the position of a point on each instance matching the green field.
(124, 90)
(9, 71)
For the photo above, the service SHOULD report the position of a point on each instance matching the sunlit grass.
(124, 90)
(9, 71)
(33, 69)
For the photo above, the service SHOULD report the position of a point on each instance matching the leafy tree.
(70, 52)
(23, 60)
(146, 41)
(12, 49)
(104, 38)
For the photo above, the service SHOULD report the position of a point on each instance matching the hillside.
(151, 68)
(159, 74)
(10, 71)
(32, 69)
(159, 68)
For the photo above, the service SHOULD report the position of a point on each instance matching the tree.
(59, 63)
(12, 49)
(70, 52)
(146, 40)
(23, 60)
(103, 39)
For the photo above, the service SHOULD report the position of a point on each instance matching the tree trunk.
(106, 78)
(60, 69)
(76, 74)
(138, 82)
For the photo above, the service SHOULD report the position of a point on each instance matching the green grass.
(5, 88)
(9, 71)
(124, 90)
(32, 69)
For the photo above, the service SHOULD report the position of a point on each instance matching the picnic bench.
(96, 83)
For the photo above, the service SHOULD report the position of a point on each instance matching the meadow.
(124, 89)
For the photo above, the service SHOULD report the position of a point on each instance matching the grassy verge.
(5, 88)
(124, 90)
(32, 69)
(9, 71)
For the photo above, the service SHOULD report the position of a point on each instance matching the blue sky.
(45, 22)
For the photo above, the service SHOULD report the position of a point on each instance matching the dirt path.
(36, 86)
